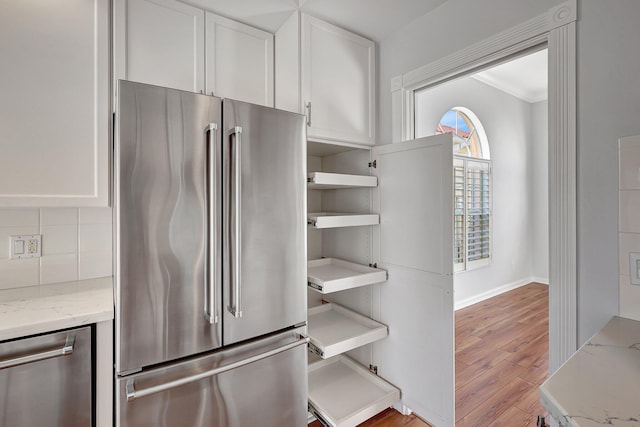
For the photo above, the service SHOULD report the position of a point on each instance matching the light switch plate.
(25, 246)
(634, 267)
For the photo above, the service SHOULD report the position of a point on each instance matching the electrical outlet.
(634, 267)
(25, 246)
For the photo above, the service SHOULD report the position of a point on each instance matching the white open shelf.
(334, 220)
(332, 181)
(328, 275)
(344, 393)
(334, 329)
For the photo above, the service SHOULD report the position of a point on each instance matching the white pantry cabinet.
(381, 296)
(160, 42)
(336, 87)
(172, 44)
(54, 103)
(239, 61)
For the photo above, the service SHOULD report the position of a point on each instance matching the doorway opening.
(501, 246)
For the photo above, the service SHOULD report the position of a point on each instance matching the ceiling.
(524, 77)
(382, 17)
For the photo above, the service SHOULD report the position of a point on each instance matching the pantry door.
(414, 244)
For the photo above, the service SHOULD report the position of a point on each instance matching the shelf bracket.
(373, 164)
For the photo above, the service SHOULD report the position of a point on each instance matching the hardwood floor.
(502, 356)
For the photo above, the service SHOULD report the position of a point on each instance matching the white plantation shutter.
(459, 240)
(472, 213)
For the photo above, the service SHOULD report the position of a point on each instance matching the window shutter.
(458, 215)
(478, 211)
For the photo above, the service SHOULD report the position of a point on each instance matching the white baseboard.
(543, 280)
(492, 293)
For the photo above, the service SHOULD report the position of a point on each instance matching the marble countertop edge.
(45, 308)
(600, 383)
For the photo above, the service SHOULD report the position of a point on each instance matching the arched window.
(471, 188)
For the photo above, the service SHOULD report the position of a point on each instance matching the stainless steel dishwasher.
(46, 380)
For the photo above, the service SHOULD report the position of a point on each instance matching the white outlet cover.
(634, 267)
(25, 246)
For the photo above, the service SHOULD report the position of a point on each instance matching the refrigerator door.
(167, 158)
(264, 165)
(263, 383)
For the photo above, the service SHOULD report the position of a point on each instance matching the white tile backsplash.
(95, 264)
(629, 211)
(95, 238)
(58, 268)
(16, 273)
(628, 242)
(59, 239)
(96, 216)
(630, 163)
(628, 223)
(76, 244)
(629, 298)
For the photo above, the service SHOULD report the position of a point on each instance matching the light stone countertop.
(600, 384)
(45, 308)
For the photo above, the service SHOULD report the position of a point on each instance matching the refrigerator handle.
(235, 139)
(212, 227)
(133, 394)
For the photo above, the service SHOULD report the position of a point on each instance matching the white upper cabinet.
(239, 61)
(54, 103)
(160, 42)
(169, 43)
(337, 83)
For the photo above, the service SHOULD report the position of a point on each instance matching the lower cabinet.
(47, 380)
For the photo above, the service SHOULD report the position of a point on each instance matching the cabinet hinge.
(373, 369)
(374, 265)
(373, 164)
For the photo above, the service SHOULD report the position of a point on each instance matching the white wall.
(608, 108)
(507, 121)
(539, 191)
(76, 245)
(608, 102)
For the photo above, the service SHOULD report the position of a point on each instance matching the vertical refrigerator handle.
(235, 140)
(212, 274)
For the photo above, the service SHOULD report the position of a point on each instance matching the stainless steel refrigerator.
(210, 238)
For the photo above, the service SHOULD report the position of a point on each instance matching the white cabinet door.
(160, 42)
(54, 103)
(338, 83)
(414, 244)
(239, 61)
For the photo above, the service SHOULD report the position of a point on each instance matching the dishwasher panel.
(46, 380)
